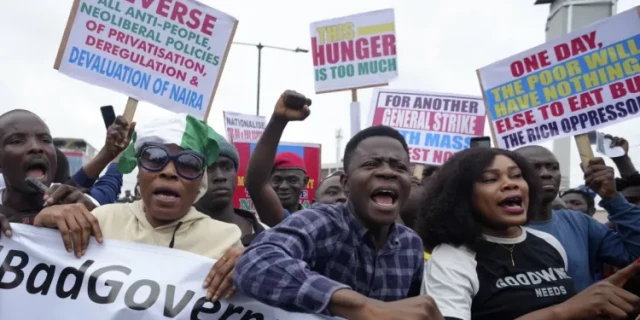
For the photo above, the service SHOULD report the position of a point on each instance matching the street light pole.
(260, 46)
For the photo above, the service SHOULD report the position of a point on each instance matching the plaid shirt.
(300, 263)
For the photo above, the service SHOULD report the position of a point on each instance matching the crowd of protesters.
(488, 235)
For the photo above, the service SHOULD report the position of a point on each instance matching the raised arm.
(264, 198)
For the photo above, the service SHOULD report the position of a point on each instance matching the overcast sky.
(440, 45)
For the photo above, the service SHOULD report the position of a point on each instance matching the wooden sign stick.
(129, 112)
(418, 170)
(584, 149)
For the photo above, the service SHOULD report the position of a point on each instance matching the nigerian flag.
(180, 129)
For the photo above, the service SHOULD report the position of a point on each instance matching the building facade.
(78, 152)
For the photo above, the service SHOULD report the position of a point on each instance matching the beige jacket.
(195, 232)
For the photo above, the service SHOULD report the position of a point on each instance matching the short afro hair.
(448, 215)
(370, 132)
(591, 203)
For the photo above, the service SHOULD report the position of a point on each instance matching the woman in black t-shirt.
(485, 264)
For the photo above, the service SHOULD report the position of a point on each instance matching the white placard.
(169, 53)
(245, 127)
(114, 280)
(572, 85)
(355, 51)
(435, 125)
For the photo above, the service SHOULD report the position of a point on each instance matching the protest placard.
(354, 52)
(169, 53)
(572, 85)
(114, 280)
(310, 153)
(245, 127)
(434, 125)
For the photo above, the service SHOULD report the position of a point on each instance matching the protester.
(587, 241)
(171, 154)
(348, 260)
(412, 207)
(106, 188)
(275, 191)
(27, 151)
(62, 174)
(558, 204)
(623, 163)
(329, 190)
(629, 187)
(579, 200)
(485, 264)
(217, 202)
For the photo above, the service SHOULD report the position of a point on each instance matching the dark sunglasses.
(189, 164)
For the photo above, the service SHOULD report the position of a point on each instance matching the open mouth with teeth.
(166, 194)
(384, 197)
(36, 170)
(512, 204)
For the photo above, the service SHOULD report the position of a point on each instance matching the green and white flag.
(180, 129)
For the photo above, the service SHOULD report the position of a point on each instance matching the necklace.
(513, 246)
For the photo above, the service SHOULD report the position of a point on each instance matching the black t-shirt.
(486, 284)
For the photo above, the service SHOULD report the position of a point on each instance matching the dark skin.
(632, 194)
(288, 185)
(548, 169)
(25, 131)
(598, 177)
(603, 300)
(258, 174)
(558, 204)
(624, 163)
(218, 201)
(330, 191)
(25, 141)
(410, 211)
(577, 202)
(160, 213)
(377, 162)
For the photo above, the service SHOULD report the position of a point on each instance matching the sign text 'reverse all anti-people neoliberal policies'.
(434, 125)
(169, 53)
(355, 51)
(245, 127)
(583, 81)
(115, 280)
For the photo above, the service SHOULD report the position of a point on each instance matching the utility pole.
(564, 17)
(261, 46)
(338, 145)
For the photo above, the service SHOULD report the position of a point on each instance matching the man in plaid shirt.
(348, 260)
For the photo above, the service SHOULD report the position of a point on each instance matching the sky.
(440, 44)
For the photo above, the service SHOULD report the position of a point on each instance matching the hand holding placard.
(603, 300)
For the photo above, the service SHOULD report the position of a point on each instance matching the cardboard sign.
(575, 84)
(169, 53)
(434, 125)
(353, 52)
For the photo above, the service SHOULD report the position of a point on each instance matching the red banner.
(310, 153)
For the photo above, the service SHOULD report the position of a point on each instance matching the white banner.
(115, 280)
(244, 127)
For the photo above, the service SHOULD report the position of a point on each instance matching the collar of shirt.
(364, 234)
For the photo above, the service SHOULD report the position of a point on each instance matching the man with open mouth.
(27, 150)
(345, 259)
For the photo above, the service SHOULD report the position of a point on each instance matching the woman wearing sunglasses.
(171, 155)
